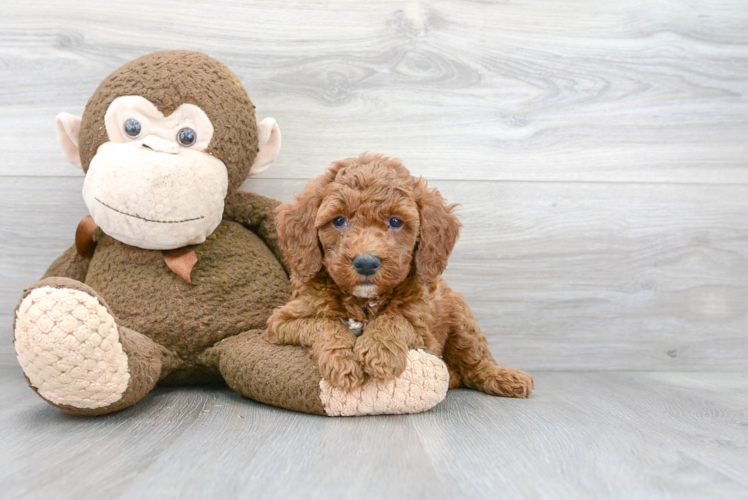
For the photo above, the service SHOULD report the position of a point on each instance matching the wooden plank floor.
(582, 435)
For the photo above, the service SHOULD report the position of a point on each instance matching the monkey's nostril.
(366, 265)
(160, 145)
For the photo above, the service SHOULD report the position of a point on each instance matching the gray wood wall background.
(599, 149)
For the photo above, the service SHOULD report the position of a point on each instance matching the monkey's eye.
(186, 137)
(394, 223)
(132, 128)
(339, 222)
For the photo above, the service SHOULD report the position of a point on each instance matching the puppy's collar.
(371, 308)
(357, 327)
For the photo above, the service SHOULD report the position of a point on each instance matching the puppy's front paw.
(271, 336)
(381, 360)
(341, 369)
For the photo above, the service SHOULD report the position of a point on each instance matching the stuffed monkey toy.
(175, 272)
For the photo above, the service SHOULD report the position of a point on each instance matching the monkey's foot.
(420, 387)
(69, 347)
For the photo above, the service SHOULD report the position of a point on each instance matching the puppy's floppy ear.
(440, 229)
(297, 233)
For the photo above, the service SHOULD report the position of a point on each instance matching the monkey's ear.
(68, 135)
(269, 139)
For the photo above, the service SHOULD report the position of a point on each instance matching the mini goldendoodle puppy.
(366, 244)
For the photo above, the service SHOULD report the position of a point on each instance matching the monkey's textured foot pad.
(422, 386)
(69, 348)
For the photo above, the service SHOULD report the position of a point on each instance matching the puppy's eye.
(132, 128)
(339, 222)
(394, 223)
(186, 137)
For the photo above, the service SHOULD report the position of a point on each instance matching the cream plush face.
(153, 185)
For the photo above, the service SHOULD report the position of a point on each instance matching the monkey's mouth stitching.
(148, 220)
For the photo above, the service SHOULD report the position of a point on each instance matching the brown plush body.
(236, 283)
(171, 330)
(385, 238)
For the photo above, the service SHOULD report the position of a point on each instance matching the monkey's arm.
(69, 265)
(258, 214)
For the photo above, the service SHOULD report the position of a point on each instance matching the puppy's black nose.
(366, 265)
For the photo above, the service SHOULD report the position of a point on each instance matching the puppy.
(366, 244)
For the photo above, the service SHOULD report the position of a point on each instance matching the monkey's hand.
(256, 212)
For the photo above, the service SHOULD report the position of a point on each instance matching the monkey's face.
(153, 185)
(159, 182)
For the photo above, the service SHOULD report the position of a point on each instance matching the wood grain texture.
(598, 149)
(581, 435)
(520, 90)
(560, 275)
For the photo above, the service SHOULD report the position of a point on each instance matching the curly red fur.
(404, 304)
